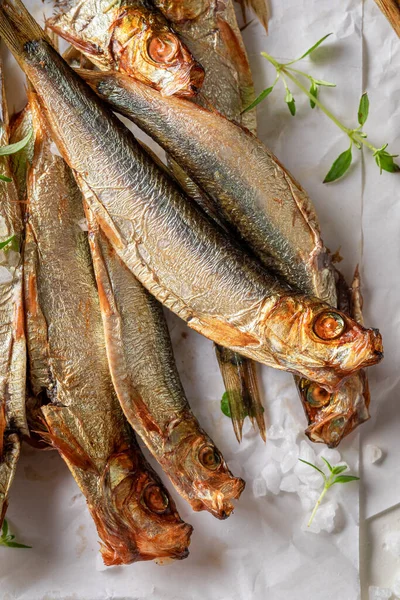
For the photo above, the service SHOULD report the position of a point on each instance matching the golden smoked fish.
(133, 37)
(13, 423)
(210, 30)
(169, 244)
(135, 517)
(148, 386)
(271, 203)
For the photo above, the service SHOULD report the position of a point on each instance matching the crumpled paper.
(262, 550)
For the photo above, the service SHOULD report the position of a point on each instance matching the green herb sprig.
(358, 138)
(7, 539)
(13, 149)
(335, 476)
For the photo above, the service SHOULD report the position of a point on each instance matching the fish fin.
(3, 425)
(240, 380)
(75, 41)
(356, 299)
(259, 7)
(222, 332)
(254, 401)
(60, 420)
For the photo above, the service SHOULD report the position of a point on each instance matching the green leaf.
(16, 545)
(339, 167)
(310, 50)
(4, 530)
(327, 464)
(339, 469)
(313, 92)
(225, 404)
(6, 179)
(290, 102)
(13, 148)
(5, 243)
(324, 83)
(385, 161)
(363, 109)
(259, 99)
(313, 466)
(345, 479)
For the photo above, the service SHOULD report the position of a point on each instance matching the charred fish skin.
(135, 517)
(132, 36)
(12, 336)
(171, 246)
(148, 386)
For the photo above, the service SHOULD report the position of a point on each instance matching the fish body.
(210, 30)
(148, 386)
(13, 423)
(131, 36)
(169, 244)
(135, 517)
(291, 243)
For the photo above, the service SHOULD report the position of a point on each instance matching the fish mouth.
(186, 84)
(333, 429)
(218, 503)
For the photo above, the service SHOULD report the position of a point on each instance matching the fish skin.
(13, 424)
(148, 386)
(132, 36)
(135, 517)
(202, 276)
(209, 29)
(180, 128)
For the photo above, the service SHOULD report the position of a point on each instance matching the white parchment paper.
(262, 550)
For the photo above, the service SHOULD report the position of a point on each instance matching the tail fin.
(18, 27)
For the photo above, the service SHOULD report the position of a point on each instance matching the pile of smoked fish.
(105, 234)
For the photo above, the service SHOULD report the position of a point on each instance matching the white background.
(261, 551)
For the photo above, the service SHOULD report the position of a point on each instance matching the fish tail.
(18, 28)
(233, 371)
(255, 406)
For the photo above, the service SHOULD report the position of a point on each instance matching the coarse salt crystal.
(392, 543)
(272, 478)
(5, 275)
(290, 483)
(259, 487)
(372, 454)
(290, 459)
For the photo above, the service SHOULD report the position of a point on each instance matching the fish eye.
(317, 396)
(209, 458)
(329, 325)
(155, 499)
(163, 48)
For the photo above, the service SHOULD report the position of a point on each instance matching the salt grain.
(259, 487)
(289, 483)
(5, 275)
(372, 454)
(272, 478)
(331, 455)
(378, 593)
(324, 519)
(290, 459)
(275, 432)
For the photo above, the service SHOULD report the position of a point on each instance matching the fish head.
(138, 519)
(202, 471)
(326, 342)
(179, 12)
(332, 416)
(145, 47)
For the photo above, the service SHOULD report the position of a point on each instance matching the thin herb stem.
(316, 507)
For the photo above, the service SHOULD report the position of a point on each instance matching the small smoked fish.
(133, 37)
(135, 517)
(291, 243)
(13, 423)
(210, 29)
(169, 244)
(148, 387)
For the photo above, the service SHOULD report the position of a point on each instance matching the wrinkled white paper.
(262, 550)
